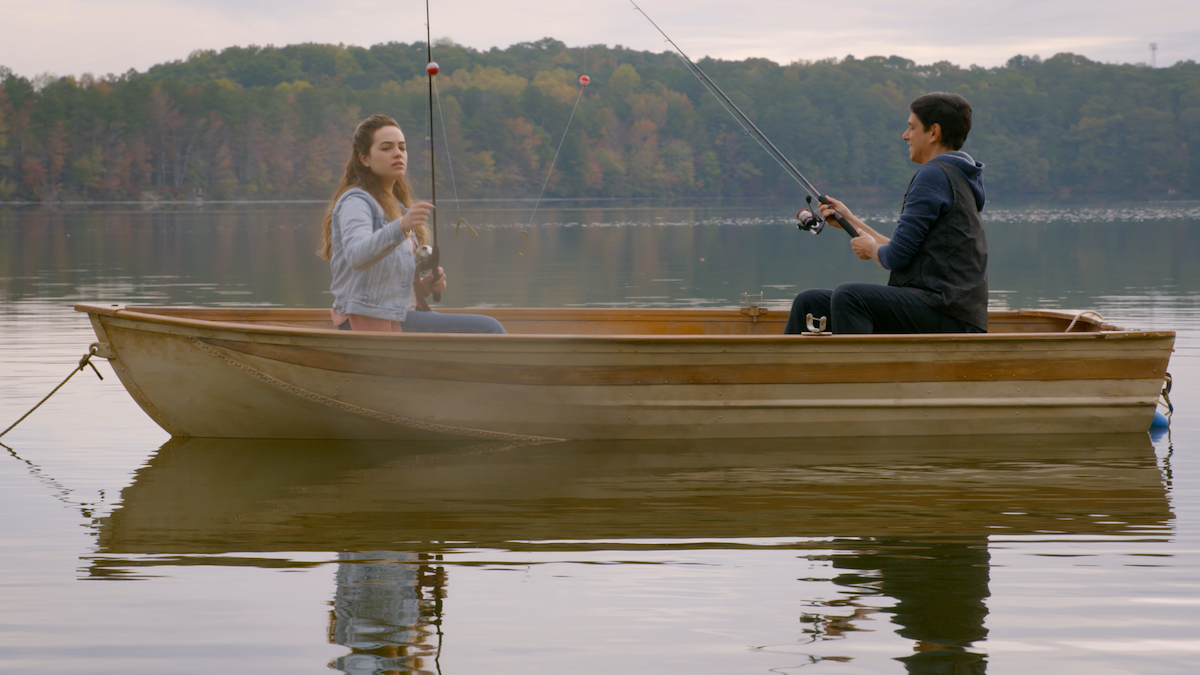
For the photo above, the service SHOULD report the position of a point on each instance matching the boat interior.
(757, 321)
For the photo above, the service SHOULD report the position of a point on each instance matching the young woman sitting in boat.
(370, 237)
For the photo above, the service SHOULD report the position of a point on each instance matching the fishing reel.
(424, 257)
(425, 263)
(810, 221)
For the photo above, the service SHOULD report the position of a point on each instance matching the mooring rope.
(1165, 400)
(83, 363)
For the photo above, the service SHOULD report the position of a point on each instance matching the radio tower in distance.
(1153, 54)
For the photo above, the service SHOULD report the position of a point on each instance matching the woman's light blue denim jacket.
(372, 273)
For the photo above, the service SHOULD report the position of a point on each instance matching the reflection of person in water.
(939, 588)
(380, 614)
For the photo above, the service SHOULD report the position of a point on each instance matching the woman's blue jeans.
(418, 321)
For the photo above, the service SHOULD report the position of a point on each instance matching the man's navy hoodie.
(929, 196)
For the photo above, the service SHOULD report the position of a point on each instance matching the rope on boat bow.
(1166, 398)
(93, 350)
(1081, 314)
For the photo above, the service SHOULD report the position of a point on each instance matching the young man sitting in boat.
(937, 254)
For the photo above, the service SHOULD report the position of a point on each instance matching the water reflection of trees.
(618, 255)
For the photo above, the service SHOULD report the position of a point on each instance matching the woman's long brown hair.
(357, 175)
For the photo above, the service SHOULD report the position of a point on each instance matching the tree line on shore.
(265, 123)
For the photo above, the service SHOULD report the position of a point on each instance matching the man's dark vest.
(949, 270)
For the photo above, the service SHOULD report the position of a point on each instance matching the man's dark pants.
(870, 308)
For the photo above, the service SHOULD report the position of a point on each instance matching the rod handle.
(841, 220)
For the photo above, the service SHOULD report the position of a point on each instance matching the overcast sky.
(71, 37)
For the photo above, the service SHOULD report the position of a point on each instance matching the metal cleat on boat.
(818, 328)
(753, 309)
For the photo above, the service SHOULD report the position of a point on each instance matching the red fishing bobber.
(583, 80)
(432, 68)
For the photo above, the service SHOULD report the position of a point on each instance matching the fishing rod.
(431, 69)
(583, 83)
(752, 130)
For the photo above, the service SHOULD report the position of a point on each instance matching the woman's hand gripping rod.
(748, 127)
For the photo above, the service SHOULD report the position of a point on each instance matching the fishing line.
(740, 117)
(583, 82)
(748, 127)
(453, 184)
(446, 138)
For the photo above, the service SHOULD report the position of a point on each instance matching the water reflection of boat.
(909, 518)
(208, 495)
(589, 373)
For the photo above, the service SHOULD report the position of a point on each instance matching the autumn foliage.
(274, 123)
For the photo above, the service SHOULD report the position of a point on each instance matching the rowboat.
(575, 373)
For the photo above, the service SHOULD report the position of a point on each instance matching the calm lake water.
(123, 551)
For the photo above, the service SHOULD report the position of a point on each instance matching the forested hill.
(274, 123)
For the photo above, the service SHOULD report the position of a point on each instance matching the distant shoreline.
(872, 203)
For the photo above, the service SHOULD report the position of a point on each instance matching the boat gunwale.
(160, 316)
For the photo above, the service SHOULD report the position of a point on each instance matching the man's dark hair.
(950, 111)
